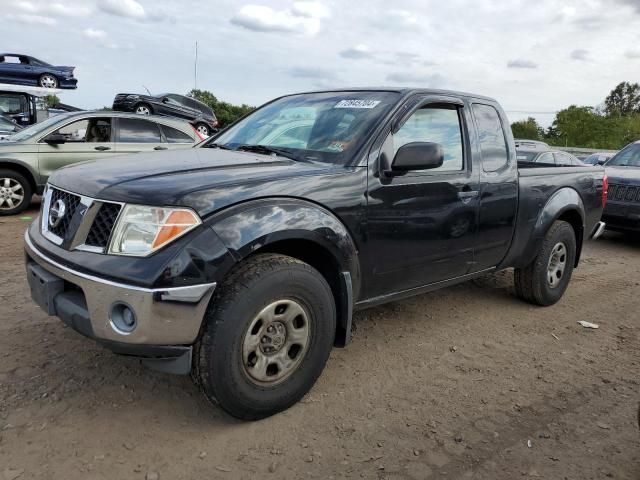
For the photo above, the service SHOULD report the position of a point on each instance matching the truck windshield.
(627, 157)
(327, 126)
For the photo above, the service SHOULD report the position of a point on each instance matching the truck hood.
(623, 175)
(204, 179)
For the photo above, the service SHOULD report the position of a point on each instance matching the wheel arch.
(23, 170)
(303, 230)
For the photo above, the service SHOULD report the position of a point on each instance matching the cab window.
(133, 130)
(436, 124)
(493, 145)
(90, 130)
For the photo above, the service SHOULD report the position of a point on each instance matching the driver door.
(86, 139)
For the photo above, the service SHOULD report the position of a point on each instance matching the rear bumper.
(166, 319)
(68, 82)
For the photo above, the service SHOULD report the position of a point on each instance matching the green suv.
(31, 155)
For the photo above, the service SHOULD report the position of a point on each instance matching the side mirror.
(165, 100)
(418, 156)
(55, 139)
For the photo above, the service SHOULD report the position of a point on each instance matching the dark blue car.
(25, 70)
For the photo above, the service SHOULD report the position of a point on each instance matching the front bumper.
(166, 317)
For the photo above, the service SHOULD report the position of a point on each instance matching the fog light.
(123, 318)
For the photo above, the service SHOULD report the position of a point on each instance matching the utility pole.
(195, 70)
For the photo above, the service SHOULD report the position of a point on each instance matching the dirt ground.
(466, 382)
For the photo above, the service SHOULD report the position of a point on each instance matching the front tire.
(15, 192)
(266, 336)
(544, 281)
(203, 129)
(48, 80)
(143, 109)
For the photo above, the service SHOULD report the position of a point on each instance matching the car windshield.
(35, 130)
(525, 156)
(627, 157)
(327, 126)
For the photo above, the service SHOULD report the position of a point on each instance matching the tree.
(51, 100)
(623, 100)
(226, 113)
(527, 129)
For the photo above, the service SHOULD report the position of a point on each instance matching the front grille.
(624, 193)
(71, 203)
(103, 225)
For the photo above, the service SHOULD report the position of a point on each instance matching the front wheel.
(545, 280)
(203, 129)
(143, 109)
(15, 192)
(48, 81)
(266, 336)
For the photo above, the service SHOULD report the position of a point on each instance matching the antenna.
(195, 69)
(147, 90)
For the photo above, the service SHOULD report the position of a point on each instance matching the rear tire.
(249, 376)
(15, 192)
(544, 281)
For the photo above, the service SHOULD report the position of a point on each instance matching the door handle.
(467, 195)
(160, 148)
(102, 148)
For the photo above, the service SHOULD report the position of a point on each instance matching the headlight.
(141, 230)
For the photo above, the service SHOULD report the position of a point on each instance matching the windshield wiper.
(217, 145)
(267, 150)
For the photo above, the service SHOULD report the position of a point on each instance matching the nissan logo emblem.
(56, 213)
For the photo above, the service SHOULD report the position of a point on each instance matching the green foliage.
(51, 100)
(527, 129)
(611, 127)
(623, 100)
(226, 113)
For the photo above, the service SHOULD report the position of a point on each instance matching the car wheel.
(48, 81)
(545, 280)
(15, 192)
(203, 129)
(266, 336)
(143, 109)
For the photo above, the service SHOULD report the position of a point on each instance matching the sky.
(533, 57)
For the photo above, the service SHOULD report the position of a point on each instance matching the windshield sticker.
(336, 147)
(357, 104)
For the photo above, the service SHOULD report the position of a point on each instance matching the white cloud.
(94, 33)
(632, 54)
(31, 19)
(357, 52)
(43, 8)
(304, 18)
(418, 79)
(100, 36)
(123, 8)
(580, 54)
(521, 63)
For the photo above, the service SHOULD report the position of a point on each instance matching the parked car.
(20, 107)
(622, 212)
(549, 158)
(31, 155)
(532, 145)
(8, 127)
(201, 116)
(24, 70)
(598, 158)
(243, 259)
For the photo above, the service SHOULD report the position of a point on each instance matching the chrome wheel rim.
(557, 264)
(48, 81)
(143, 110)
(203, 130)
(276, 342)
(11, 193)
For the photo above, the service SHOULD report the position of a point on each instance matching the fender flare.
(250, 226)
(564, 202)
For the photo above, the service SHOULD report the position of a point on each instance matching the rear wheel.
(143, 109)
(48, 80)
(15, 192)
(266, 336)
(545, 280)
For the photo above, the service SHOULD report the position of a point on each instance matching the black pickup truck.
(242, 260)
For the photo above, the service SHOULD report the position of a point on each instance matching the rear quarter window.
(493, 145)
